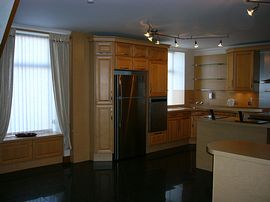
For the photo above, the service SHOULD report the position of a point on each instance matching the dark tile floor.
(168, 176)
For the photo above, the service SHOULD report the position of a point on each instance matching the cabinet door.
(140, 64)
(158, 138)
(123, 62)
(158, 79)
(17, 151)
(139, 51)
(173, 129)
(244, 70)
(47, 147)
(158, 54)
(124, 49)
(230, 71)
(104, 85)
(104, 48)
(185, 127)
(104, 129)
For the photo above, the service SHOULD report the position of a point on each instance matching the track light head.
(251, 11)
(147, 34)
(196, 44)
(150, 38)
(175, 43)
(220, 44)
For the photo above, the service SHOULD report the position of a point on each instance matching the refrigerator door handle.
(120, 113)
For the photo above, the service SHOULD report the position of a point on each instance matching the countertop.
(249, 151)
(217, 108)
(234, 121)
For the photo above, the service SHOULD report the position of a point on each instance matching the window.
(33, 107)
(176, 78)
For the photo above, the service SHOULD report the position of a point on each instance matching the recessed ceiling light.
(90, 1)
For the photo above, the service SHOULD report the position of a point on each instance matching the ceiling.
(174, 17)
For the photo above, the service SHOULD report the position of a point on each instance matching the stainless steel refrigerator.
(130, 114)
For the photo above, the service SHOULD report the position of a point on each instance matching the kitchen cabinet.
(179, 126)
(104, 79)
(140, 64)
(243, 67)
(101, 112)
(140, 51)
(194, 119)
(158, 71)
(124, 63)
(23, 153)
(156, 138)
(123, 49)
(103, 133)
(104, 48)
(160, 54)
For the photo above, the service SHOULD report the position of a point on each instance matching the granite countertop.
(242, 150)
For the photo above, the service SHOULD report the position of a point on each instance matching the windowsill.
(39, 135)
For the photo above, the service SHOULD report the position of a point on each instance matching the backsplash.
(242, 98)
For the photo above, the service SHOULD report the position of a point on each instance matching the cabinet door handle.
(111, 114)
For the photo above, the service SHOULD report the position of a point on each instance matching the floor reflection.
(168, 176)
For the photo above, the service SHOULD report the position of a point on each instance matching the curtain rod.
(40, 29)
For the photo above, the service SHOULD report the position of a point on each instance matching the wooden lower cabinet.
(103, 140)
(158, 138)
(179, 126)
(22, 153)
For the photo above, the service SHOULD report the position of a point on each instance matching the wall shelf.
(220, 79)
(210, 65)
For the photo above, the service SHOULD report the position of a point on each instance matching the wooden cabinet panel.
(13, 152)
(243, 67)
(140, 64)
(179, 126)
(104, 86)
(158, 54)
(104, 48)
(123, 49)
(123, 63)
(158, 79)
(157, 138)
(104, 129)
(139, 51)
(244, 70)
(47, 147)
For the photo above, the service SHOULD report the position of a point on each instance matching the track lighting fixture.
(251, 11)
(196, 44)
(175, 43)
(220, 44)
(154, 35)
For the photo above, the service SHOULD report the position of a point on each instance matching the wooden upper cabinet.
(103, 77)
(158, 54)
(140, 51)
(124, 49)
(104, 48)
(242, 66)
(140, 64)
(123, 62)
(158, 78)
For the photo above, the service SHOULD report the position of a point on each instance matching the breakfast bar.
(240, 171)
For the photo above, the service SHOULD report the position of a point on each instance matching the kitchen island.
(241, 171)
(226, 129)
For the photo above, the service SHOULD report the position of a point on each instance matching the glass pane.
(176, 78)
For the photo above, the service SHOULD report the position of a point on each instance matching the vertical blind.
(33, 107)
(176, 78)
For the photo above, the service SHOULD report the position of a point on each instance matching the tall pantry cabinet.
(102, 62)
